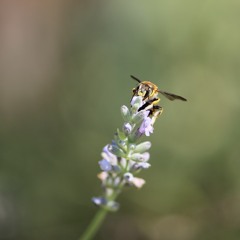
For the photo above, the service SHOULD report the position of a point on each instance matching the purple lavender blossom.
(146, 156)
(99, 200)
(141, 165)
(146, 127)
(106, 154)
(137, 182)
(124, 157)
(105, 165)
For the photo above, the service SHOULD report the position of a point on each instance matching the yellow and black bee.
(149, 93)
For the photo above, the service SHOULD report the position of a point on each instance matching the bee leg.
(155, 112)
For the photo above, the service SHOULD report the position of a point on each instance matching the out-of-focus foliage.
(64, 68)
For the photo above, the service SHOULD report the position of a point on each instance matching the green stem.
(94, 225)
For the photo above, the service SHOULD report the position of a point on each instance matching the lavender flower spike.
(125, 156)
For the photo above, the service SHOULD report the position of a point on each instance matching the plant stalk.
(94, 225)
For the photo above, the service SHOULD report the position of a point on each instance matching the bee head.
(145, 89)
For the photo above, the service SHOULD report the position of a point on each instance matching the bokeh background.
(64, 74)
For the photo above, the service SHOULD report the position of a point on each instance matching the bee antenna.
(135, 78)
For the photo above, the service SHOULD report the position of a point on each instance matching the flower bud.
(112, 206)
(120, 135)
(109, 191)
(121, 144)
(141, 165)
(127, 128)
(125, 113)
(132, 147)
(128, 177)
(114, 149)
(143, 147)
(140, 157)
(139, 116)
(137, 101)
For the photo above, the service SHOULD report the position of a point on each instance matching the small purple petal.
(102, 176)
(106, 154)
(146, 156)
(142, 165)
(105, 165)
(146, 126)
(99, 200)
(138, 182)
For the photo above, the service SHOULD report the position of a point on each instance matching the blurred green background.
(64, 70)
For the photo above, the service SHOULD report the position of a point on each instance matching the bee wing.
(172, 96)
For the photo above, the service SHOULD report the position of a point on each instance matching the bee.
(149, 93)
